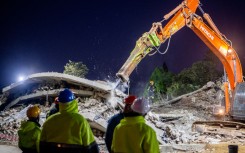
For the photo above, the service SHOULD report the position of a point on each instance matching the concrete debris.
(172, 122)
(176, 119)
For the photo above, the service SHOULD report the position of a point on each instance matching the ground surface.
(222, 148)
(9, 149)
(209, 148)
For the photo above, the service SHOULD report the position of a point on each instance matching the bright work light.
(21, 78)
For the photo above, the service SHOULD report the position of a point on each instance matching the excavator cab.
(237, 111)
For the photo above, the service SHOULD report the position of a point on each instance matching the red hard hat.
(130, 99)
(128, 102)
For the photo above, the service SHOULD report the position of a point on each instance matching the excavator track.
(225, 128)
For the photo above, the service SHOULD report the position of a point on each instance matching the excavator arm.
(184, 15)
(156, 36)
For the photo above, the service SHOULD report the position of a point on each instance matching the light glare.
(229, 50)
(21, 78)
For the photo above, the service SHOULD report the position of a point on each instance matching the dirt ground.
(222, 148)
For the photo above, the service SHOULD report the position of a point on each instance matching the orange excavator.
(184, 15)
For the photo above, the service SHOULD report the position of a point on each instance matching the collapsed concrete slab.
(46, 86)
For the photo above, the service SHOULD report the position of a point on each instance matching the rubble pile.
(176, 128)
(176, 119)
(97, 113)
(172, 122)
(10, 121)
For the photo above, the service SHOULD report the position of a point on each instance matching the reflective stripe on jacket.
(134, 135)
(29, 135)
(67, 127)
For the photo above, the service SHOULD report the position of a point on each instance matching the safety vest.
(133, 135)
(29, 135)
(67, 129)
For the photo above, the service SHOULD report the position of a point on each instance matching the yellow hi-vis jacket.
(133, 135)
(67, 129)
(29, 135)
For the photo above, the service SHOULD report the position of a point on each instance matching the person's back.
(115, 120)
(29, 132)
(67, 131)
(134, 135)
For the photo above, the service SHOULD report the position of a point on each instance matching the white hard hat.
(141, 105)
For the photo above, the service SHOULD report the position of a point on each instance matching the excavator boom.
(184, 15)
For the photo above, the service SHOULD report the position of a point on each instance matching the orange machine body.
(184, 15)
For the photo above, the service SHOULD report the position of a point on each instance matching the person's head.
(66, 96)
(67, 101)
(128, 101)
(141, 106)
(33, 112)
(151, 82)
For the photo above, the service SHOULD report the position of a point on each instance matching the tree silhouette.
(76, 68)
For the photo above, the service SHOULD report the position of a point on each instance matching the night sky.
(42, 35)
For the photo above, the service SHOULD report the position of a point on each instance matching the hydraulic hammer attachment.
(144, 45)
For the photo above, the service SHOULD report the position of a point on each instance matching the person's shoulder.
(148, 128)
(23, 123)
(51, 118)
(117, 116)
(77, 116)
(38, 129)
